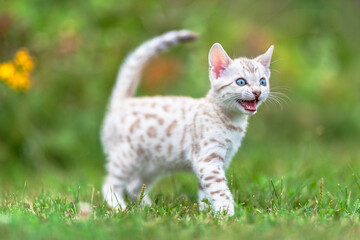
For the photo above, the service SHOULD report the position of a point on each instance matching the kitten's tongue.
(250, 105)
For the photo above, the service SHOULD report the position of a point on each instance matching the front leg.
(211, 175)
(201, 197)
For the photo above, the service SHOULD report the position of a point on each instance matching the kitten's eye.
(240, 82)
(263, 82)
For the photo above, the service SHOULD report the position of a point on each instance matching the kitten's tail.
(129, 74)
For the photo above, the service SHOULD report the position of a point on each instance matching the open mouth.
(248, 105)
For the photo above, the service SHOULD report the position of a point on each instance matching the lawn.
(297, 192)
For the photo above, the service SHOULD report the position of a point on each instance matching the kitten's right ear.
(265, 58)
(218, 59)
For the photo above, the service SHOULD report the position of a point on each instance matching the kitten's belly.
(171, 155)
(161, 167)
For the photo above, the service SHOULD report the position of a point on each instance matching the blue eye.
(240, 82)
(263, 82)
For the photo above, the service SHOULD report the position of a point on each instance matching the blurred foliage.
(78, 46)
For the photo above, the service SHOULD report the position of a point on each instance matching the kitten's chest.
(217, 132)
(233, 145)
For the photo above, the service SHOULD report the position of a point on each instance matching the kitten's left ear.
(218, 59)
(265, 58)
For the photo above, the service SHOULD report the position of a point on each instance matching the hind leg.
(135, 187)
(113, 190)
(120, 170)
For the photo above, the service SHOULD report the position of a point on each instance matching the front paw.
(204, 204)
(227, 208)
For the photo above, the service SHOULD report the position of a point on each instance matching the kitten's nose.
(256, 93)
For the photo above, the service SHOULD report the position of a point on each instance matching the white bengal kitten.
(147, 137)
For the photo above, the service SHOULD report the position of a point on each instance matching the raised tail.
(129, 74)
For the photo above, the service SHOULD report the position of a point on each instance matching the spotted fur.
(147, 137)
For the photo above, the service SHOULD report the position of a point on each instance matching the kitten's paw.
(204, 204)
(228, 209)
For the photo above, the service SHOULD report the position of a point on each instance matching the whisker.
(280, 88)
(274, 100)
(279, 93)
(283, 99)
(274, 61)
(275, 70)
(281, 96)
(230, 102)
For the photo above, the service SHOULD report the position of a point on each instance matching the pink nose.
(256, 93)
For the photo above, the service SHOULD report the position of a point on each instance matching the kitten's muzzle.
(256, 94)
(250, 105)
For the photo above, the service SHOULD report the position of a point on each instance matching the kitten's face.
(239, 85)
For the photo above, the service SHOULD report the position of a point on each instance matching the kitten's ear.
(218, 59)
(265, 58)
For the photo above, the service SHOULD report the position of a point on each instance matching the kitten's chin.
(248, 112)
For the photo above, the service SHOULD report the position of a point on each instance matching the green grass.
(58, 218)
(275, 199)
(58, 215)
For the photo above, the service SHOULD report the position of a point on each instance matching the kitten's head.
(239, 85)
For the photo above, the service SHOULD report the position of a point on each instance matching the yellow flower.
(24, 60)
(7, 70)
(16, 73)
(20, 81)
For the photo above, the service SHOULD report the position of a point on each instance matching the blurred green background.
(50, 134)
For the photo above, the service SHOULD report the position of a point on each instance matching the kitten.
(147, 137)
